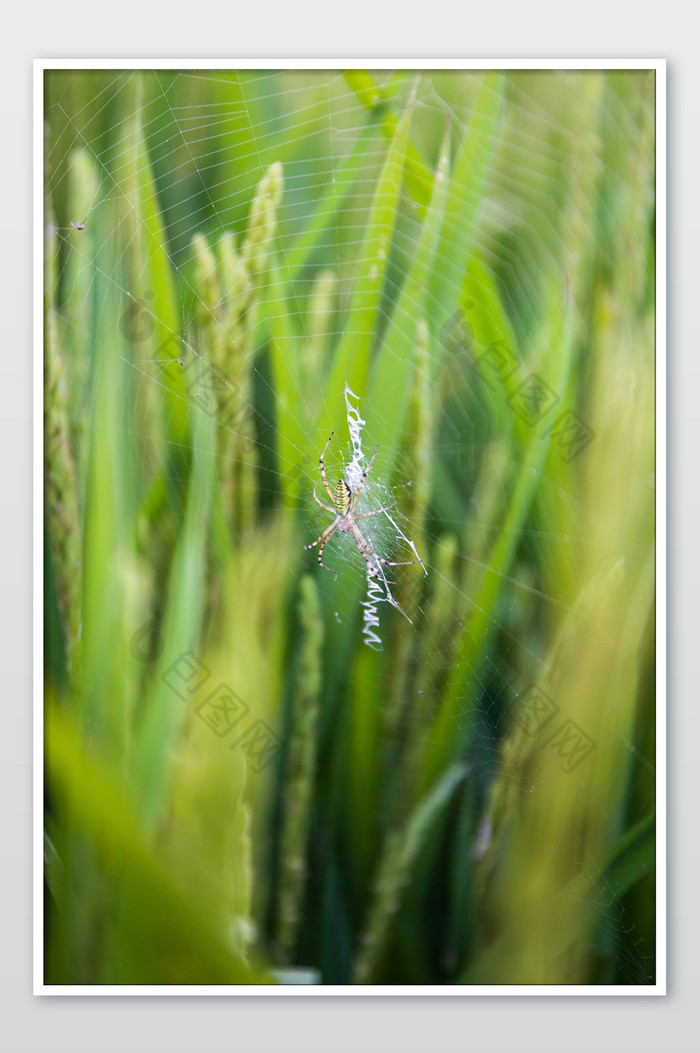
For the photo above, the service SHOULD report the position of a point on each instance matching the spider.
(344, 504)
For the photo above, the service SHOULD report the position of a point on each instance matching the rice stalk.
(301, 768)
(60, 483)
(393, 873)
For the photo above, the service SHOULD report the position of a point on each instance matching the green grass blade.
(331, 201)
(394, 870)
(392, 373)
(161, 721)
(473, 641)
(353, 356)
(418, 174)
(168, 939)
(471, 170)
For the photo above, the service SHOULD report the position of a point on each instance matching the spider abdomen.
(342, 497)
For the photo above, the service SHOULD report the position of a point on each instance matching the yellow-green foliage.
(431, 241)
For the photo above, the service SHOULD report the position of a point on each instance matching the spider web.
(209, 138)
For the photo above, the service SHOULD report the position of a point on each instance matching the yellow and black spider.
(344, 504)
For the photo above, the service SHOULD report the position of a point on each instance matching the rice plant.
(432, 760)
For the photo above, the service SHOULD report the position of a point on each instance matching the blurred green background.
(236, 783)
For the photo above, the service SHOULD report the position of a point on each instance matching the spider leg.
(394, 563)
(323, 470)
(320, 553)
(388, 562)
(324, 537)
(362, 544)
(332, 510)
(323, 540)
(362, 515)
